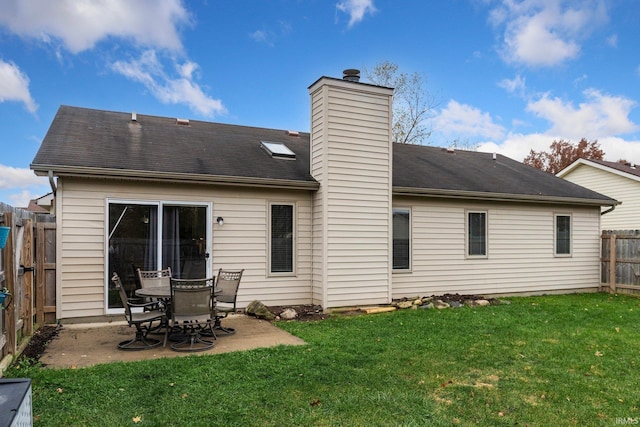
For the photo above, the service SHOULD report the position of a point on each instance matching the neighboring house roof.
(628, 170)
(89, 142)
(34, 207)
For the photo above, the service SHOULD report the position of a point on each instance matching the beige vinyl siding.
(520, 250)
(352, 161)
(240, 243)
(615, 185)
(319, 213)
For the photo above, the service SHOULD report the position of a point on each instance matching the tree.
(562, 154)
(413, 106)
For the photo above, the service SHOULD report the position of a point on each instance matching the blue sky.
(508, 75)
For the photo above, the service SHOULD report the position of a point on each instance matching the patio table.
(163, 293)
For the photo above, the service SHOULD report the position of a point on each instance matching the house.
(618, 180)
(42, 204)
(340, 216)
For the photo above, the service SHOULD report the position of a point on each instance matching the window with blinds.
(282, 238)
(563, 235)
(401, 240)
(477, 234)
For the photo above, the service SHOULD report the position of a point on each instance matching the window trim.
(467, 246)
(556, 215)
(409, 240)
(294, 249)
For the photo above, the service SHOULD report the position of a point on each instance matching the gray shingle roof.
(629, 168)
(104, 140)
(95, 142)
(437, 170)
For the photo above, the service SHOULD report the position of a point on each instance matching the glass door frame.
(159, 204)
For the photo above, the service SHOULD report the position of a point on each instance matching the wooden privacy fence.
(27, 270)
(620, 258)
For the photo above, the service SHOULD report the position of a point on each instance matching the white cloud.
(516, 85)
(546, 32)
(618, 148)
(11, 177)
(80, 24)
(463, 121)
(356, 9)
(19, 185)
(22, 198)
(600, 115)
(180, 89)
(518, 146)
(269, 37)
(14, 86)
(262, 36)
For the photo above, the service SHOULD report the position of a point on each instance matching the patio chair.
(192, 309)
(143, 321)
(154, 279)
(227, 284)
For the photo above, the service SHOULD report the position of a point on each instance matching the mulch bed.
(38, 343)
(448, 298)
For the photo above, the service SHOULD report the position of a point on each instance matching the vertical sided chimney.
(351, 158)
(351, 75)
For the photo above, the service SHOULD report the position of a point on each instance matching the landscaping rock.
(259, 310)
(439, 304)
(445, 301)
(289, 314)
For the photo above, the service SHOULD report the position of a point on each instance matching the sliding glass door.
(152, 236)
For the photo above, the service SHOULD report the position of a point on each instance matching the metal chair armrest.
(146, 305)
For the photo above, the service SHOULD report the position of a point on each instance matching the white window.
(477, 234)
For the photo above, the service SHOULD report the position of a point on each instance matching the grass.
(538, 361)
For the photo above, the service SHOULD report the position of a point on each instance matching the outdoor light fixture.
(220, 220)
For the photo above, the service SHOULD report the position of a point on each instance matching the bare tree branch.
(413, 106)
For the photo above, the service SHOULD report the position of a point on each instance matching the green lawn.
(538, 361)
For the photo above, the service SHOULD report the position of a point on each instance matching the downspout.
(52, 183)
(608, 210)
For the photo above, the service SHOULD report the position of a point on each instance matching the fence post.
(10, 280)
(612, 263)
(27, 279)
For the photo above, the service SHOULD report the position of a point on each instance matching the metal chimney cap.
(351, 75)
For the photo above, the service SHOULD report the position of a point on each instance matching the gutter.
(128, 174)
(499, 197)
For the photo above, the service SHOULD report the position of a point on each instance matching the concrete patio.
(82, 345)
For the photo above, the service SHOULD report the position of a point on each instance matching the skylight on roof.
(277, 149)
